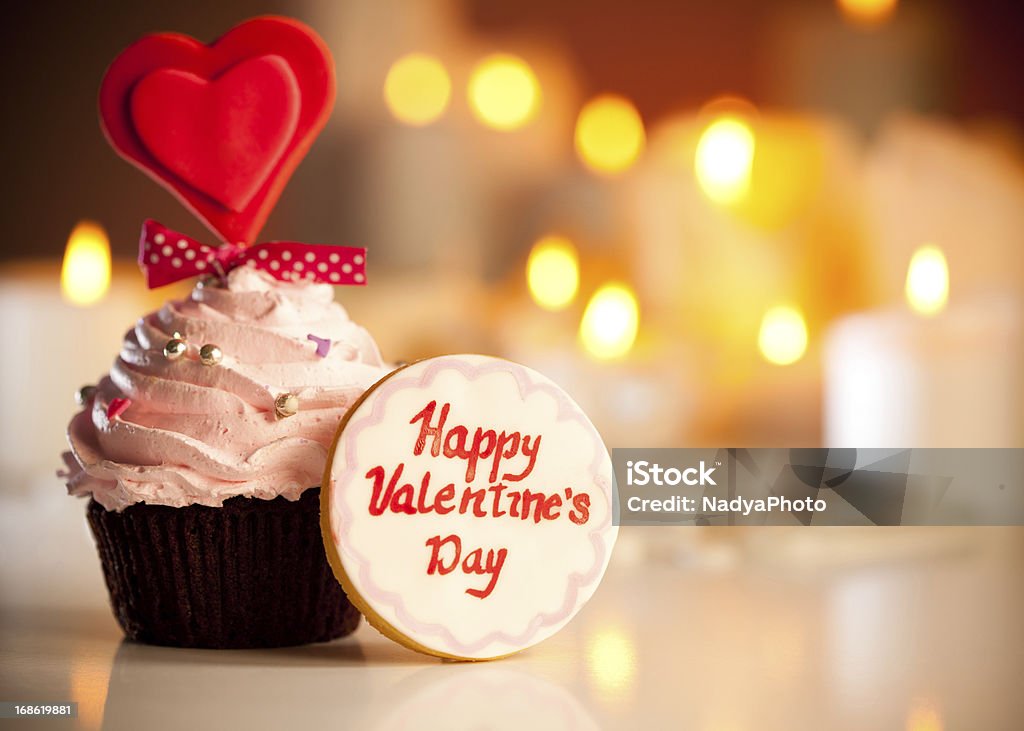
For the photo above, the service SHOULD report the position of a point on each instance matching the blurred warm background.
(715, 223)
(793, 223)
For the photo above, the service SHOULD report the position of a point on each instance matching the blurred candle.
(924, 376)
(85, 272)
(62, 325)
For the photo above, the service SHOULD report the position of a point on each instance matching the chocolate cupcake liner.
(252, 573)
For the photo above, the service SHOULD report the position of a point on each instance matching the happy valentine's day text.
(484, 448)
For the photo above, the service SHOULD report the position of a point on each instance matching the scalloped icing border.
(528, 381)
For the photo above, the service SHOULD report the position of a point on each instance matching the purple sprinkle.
(323, 345)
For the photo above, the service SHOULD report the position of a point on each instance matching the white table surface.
(692, 628)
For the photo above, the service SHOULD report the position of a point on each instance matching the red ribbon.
(167, 256)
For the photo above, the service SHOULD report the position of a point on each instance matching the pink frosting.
(197, 434)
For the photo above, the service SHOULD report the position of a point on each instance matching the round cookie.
(466, 507)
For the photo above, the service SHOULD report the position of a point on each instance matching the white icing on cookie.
(469, 502)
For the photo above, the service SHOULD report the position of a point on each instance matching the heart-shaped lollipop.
(221, 126)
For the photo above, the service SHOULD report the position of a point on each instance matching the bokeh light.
(553, 272)
(85, 273)
(924, 716)
(724, 159)
(611, 661)
(417, 89)
(89, 684)
(609, 134)
(867, 12)
(504, 92)
(610, 322)
(783, 335)
(927, 285)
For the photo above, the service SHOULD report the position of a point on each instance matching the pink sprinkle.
(323, 345)
(117, 406)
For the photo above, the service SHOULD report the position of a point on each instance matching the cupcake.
(202, 451)
(201, 454)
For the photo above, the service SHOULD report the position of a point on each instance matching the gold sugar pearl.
(210, 355)
(84, 395)
(175, 348)
(285, 405)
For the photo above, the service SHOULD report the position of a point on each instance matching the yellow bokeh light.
(609, 134)
(783, 335)
(867, 12)
(923, 716)
(611, 661)
(85, 274)
(927, 285)
(553, 272)
(610, 322)
(725, 159)
(417, 89)
(504, 92)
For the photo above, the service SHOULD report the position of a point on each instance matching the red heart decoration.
(223, 137)
(221, 126)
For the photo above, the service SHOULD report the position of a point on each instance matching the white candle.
(53, 347)
(894, 379)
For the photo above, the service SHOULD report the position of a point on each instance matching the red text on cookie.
(446, 556)
(456, 443)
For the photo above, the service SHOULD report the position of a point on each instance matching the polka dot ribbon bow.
(167, 256)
